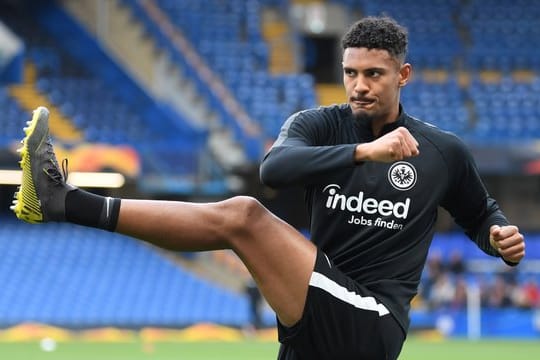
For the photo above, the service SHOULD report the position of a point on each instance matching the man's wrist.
(510, 263)
(361, 153)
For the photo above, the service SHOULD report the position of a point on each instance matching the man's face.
(372, 80)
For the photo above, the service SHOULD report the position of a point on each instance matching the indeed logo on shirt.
(365, 205)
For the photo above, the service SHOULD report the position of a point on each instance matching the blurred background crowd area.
(180, 100)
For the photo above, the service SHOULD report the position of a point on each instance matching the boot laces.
(53, 170)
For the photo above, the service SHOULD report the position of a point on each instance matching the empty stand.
(77, 277)
(228, 37)
(503, 35)
(98, 110)
(441, 104)
(507, 111)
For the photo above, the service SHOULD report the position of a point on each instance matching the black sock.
(92, 210)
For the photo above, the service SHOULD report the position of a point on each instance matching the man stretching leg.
(374, 179)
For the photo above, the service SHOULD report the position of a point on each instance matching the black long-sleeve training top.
(376, 220)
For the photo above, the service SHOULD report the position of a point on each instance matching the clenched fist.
(397, 145)
(508, 241)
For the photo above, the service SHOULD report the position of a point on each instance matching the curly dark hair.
(378, 33)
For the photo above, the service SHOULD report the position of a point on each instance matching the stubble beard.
(363, 117)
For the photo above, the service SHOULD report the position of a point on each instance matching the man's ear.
(405, 73)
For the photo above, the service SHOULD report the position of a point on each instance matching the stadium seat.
(77, 277)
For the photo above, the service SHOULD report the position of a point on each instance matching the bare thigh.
(279, 258)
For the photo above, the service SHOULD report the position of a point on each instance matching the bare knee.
(244, 214)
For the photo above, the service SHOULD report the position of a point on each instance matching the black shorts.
(342, 320)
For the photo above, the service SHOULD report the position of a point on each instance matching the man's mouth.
(362, 102)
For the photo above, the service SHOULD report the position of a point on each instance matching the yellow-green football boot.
(41, 196)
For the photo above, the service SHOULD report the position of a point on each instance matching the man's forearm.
(303, 165)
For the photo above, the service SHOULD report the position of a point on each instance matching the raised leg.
(278, 257)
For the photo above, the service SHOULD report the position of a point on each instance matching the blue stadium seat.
(13, 118)
(507, 110)
(441, 104)
(100, 111)
(77, 277)
(228, 36)
(504, 36)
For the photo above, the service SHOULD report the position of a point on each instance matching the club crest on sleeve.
(402, 175)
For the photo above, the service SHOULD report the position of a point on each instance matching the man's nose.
(360, 85)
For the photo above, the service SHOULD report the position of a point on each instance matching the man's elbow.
(269, 175)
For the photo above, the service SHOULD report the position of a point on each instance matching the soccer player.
(374, 177)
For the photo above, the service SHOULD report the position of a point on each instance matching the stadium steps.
(30, 98)
(147, 59)
(124, 37)
(277, 34)
(329, 94)
(128, 42)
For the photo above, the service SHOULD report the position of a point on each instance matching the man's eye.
(374, 74)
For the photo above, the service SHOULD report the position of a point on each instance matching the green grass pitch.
(495, 349)
(414, 349)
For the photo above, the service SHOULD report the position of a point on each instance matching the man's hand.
(398, 144)
(508, 241)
